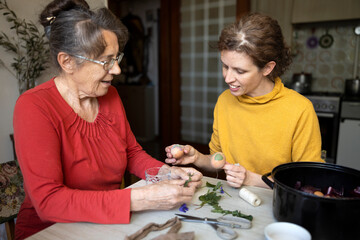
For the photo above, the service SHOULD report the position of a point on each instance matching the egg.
(218, 160)
(177, 151)
(318, 193)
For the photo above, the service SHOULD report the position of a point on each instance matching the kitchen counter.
(262, 216)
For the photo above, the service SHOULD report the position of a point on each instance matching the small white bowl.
(286, 231)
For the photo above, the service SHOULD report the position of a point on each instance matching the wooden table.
(262, 217)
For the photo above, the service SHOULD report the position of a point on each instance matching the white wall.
(28, 10)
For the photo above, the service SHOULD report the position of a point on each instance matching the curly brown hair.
(260, 37)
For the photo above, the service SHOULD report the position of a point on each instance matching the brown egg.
(218, 160)
(177, 151)
(318, 193)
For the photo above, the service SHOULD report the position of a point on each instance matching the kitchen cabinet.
(349, 135)
(306, 11)
(348, 149)
(288, 12)
(281, 10)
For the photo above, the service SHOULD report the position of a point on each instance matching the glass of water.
(157, 174)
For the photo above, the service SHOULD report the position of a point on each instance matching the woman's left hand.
(235, 174)
(185, 172)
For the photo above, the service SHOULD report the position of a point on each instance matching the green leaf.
(210, 185)
(186, 184)
(211, 198)
(30, 48)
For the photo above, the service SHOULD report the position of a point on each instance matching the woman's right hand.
(164, 195)
(190, 155)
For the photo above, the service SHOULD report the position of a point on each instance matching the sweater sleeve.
(38, 150)
(138, 159)
(306, 143)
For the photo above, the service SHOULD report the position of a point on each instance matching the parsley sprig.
(186, 184)
(216, 187)
(212, 198)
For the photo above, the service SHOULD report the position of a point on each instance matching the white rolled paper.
(249, 197)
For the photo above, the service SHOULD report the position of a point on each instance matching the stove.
(327, 108)
(325, 103)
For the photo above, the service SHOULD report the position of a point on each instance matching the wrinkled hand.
(235, 175)
(190, 155)
(183, 173)
(164, 195)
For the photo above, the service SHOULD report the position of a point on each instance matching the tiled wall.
(201, 77)
(331, 66)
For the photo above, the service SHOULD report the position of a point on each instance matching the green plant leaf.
(211, 198)
(30, 47)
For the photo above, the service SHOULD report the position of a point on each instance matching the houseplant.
(29, 47)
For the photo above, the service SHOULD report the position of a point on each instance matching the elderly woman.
(258, 123)
(73, 140)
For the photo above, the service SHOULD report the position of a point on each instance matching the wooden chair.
(13, 144)
(11, 195)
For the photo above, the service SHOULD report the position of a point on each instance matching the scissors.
(223, 225)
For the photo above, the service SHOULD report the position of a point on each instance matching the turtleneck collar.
(265, 98)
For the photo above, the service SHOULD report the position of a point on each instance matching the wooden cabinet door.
(305, 11)
(281, 10)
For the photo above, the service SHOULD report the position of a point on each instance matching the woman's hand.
(168, 194)
(164, 195)
(185, 173)
(190, 156)
(235, 174)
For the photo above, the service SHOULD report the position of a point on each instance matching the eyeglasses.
(107, 65)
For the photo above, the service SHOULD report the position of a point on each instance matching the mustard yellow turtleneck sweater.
(262, 132)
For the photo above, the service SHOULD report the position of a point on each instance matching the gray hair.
(72, 28)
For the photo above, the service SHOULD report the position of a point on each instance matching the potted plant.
(29, 46)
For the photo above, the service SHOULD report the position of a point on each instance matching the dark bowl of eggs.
(324, 198)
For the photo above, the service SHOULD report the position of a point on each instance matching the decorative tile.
(330, 67)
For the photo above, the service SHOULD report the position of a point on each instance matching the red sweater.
(72, 168)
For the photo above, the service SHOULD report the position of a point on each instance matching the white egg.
(177, 151)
